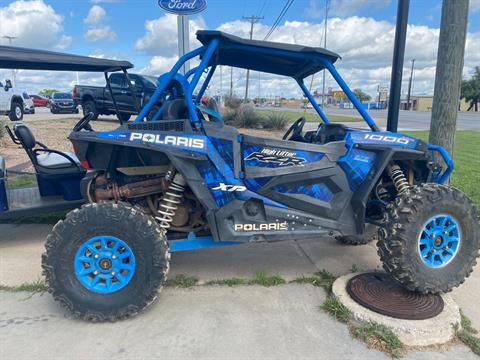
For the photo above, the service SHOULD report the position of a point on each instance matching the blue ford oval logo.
(183, 7)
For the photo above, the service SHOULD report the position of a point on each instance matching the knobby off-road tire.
(369, 235)
(137, 233)
(399, 241)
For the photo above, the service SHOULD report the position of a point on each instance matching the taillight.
(74, 91)
(85, 164)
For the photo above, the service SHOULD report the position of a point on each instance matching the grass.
(228, 282)
(311, 117)
(47, 218)
(322, 279)
(336, 309)
(21, 181)
(182, 281)
(379, 337)
(466, 175)
(466, 333)
(261, 278)
(33, 287)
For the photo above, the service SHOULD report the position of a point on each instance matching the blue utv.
(184, 180)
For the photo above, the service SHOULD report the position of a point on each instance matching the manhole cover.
(380, 293)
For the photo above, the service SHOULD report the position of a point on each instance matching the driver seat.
(58, 173)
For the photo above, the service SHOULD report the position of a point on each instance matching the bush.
(245, 117)
(275, 120)
(233, 102)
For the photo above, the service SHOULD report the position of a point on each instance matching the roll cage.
(295, 61)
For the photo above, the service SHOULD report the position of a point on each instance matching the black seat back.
(175, 109)
(27, 140)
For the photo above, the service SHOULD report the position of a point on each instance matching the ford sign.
(183, 7)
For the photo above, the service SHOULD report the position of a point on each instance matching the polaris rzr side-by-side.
(185, 180)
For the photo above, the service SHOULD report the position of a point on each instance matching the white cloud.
(161, 35)
(34, 23)
(104, 33)
(367, 54)
(95, 15)
(474, 5)
(65, 42)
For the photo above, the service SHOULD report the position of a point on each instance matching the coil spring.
(168, 205)
(399, 179)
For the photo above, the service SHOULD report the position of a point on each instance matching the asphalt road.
(408, 120)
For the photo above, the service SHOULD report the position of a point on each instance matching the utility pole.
(253, 19)
(324, 46)
(448, 77)
(231, 81)
(10, 38)
(410, 86)
(397, 65)
(183, 40)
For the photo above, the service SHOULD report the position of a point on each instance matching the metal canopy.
(296, 61)
(32, 59)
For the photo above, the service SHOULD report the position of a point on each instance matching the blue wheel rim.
(104, 264)
(439, 241)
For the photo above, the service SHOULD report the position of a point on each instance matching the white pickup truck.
(11, 101)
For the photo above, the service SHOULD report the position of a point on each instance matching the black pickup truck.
(98, 99)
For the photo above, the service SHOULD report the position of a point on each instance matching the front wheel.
(16, 112)
(430, 241)
(105, 261)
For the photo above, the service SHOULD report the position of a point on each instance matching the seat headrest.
(25, 135)
(175, 109)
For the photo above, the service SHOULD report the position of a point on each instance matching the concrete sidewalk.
(207, 321)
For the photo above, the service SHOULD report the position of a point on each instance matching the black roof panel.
(33, 59)
(293, 60)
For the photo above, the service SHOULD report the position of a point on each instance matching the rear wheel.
(16, 111)
(90, 107)
(106, 261)
(431, 239)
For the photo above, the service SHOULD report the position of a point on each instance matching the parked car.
(28, 106)
(97, 99)
(40, 101)
(62, 103)
(11, 101)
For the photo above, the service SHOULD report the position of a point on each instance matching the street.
(408, 120)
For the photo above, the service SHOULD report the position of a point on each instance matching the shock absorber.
(169, 203)
(398, 178)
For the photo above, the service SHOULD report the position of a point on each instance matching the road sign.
(183, 7)
(338, 94)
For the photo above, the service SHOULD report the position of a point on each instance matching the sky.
(361, 31)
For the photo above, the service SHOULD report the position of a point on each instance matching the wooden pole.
(448, 77)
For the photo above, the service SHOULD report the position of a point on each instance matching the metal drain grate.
(380, 293)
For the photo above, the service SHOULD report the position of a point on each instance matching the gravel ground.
(54, 134)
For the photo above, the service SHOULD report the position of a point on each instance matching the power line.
(279, 18)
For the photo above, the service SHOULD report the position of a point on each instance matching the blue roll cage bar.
(207, 52)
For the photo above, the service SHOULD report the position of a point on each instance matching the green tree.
(361, 95)
(47, 92)
(470, 90)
